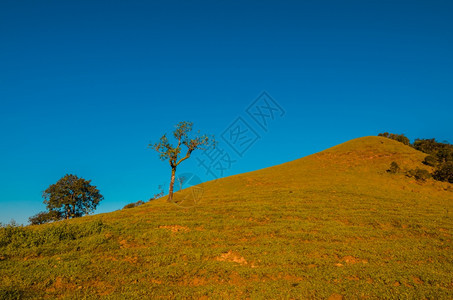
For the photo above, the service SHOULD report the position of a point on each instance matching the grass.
(333, 224)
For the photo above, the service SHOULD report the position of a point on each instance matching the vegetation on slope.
(70, 197)
(335, 223)
(440, 156)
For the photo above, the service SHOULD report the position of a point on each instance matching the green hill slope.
(328, 225)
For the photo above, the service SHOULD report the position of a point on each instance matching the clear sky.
(86, 85)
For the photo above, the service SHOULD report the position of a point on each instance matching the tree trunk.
(172, 183)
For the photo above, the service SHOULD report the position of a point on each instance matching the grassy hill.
(333, 224)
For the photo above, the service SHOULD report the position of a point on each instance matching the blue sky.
(86, 85)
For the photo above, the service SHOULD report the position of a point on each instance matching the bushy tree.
(445, 153)
(428, 146)
(430, 161)
(44, 217)
(444, 172)
(400, 138)
(397, 137)
(173, 153)
(72, 197)
(384, 134)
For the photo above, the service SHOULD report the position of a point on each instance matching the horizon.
(197, 176)
(84, 88)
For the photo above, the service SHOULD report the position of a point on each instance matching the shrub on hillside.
(135, 204)
(442, 152)
(444, 172)
(440, 156)
(394, 168)
(430, 161)
(419, 174)
(19, 237)
(425, 145)
(445, 154)
(397, 137)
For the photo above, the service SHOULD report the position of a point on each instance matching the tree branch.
(185, 157)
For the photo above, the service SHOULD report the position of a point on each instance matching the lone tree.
(172, 153)
(70, 197)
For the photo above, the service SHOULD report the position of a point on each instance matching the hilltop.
(332, 224)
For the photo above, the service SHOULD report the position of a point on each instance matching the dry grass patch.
(230, 256)
(353, 260)
(175, 228)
